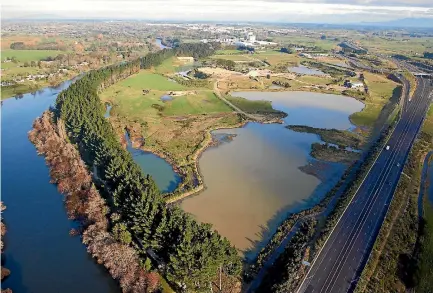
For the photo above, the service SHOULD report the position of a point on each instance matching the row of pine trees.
(193, 252)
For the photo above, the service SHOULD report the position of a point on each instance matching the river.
(254, 182)
(39, 252)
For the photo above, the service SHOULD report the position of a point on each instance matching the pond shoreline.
(178, 195)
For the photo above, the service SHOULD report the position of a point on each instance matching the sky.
(289, 11)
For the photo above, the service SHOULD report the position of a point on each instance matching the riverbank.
(85, 205)
(4, 271)
(17, 92)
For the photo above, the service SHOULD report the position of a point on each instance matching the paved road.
(342, 258)
(221, 96)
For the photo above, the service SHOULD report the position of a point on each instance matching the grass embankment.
(233, 57)
(395, 45)
(177, 130)
(412, 81)
(343, 138)
(253, 107)
(277, 59)
(281, 277)
(402, 256)
(349, 190)
(380, 91)
(425, 267)
(330, 153)
(29, 55)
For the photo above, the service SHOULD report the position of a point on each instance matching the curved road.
(338, 265)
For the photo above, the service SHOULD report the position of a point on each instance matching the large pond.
(254, 181)
(39, 252)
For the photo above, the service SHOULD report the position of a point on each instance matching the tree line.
(192, 253)
(196, 50)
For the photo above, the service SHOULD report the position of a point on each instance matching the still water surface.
(39, 252)
(161, 171)
(301, 69)
(254, 181)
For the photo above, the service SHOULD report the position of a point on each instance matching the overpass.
(422, 74)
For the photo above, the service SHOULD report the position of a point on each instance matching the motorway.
(338, 265)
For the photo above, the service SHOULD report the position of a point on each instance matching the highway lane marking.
(383, 175)
(405, 133)
(364, 213)
(407, 153)
(344, 213)
(419, 107)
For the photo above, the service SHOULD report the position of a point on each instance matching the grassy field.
(315, 79)
(176, 127)
(310, 41)
(129, 100)
(428, 122)
(275, 58)
(251, 106)
(228, 52)
(29, 55)
(426, 263)
(412, 80)
(147, 80)
(396, 45)
(234, 57)
(380, 91)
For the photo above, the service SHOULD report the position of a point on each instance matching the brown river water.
(254, 182)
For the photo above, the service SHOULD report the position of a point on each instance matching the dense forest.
(196, 50)
(191, 253)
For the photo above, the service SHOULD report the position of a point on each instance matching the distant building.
(353, 85)
(251, 37)
(186, 59)
(356, 85)
(306, 55)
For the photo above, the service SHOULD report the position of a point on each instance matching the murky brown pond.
(254, 181)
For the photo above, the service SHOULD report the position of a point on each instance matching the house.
(356, 85)
(186, 59)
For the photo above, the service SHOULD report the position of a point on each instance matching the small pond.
(166, 98)
(161, 171)
(160, 45)
(107, 110)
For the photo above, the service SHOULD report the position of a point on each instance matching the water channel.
(39, 251)
(301, 69)
(254, 181)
